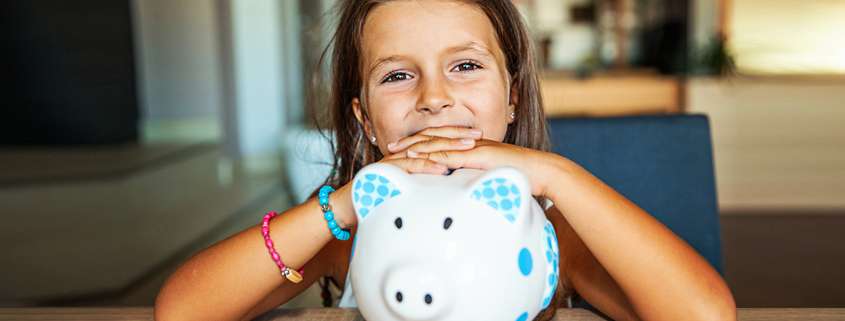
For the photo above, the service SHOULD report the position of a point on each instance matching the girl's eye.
(396, 76)
(466, 66)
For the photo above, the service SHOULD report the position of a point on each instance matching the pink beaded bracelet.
(288, 273)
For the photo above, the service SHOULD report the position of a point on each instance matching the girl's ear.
(513, 100)
(375, 184)
(505, 190)
(359, 115)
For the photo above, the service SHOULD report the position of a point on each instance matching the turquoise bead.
(332, 224)
(329, 216)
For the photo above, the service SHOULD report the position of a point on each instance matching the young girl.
(431, 86)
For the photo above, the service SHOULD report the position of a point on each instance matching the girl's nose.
(434, 96)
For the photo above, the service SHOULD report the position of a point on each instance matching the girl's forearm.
(228, 279)
(663, 277)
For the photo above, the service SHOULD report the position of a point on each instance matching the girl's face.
(430, 64)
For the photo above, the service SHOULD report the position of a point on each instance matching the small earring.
(373, 139)
(513, 115)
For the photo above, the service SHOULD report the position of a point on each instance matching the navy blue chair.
(663, 163)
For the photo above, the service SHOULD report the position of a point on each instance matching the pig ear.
(504, 189)
(373, 185)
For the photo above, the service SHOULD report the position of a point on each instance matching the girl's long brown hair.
(352, 151)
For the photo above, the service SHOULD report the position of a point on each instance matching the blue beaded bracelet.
(338, 233)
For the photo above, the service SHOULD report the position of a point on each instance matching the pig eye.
(447, 223)
(398, 223)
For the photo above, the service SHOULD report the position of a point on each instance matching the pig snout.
(416, 293)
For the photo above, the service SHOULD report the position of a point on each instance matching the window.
(787, 36)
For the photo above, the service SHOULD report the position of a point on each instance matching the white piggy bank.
(473, 245)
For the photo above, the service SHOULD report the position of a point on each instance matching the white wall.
(228, 70)
(778, 142)
(177, 58)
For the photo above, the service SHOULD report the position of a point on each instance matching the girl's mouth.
(466, 124)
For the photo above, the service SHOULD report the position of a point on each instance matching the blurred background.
(135, 133)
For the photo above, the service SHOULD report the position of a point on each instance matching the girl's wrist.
(341, 203)
(561, 170)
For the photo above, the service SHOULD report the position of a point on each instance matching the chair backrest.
(664, 164)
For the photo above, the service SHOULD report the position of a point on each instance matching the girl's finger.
(452, 132)
(405, 142)
(458, 158)
(444, 131)
(440, 144)
(418, 165)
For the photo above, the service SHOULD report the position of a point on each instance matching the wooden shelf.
(610, 95)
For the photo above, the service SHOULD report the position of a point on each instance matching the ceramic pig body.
(473, 245)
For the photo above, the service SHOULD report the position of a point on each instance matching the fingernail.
(475, 132)
(467, 141)
(391, 145)
(412, 154)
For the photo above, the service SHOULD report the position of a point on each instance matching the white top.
(347, 300)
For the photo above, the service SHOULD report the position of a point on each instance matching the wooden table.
(335, 314)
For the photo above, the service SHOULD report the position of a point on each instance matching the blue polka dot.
(363, 211)
(516, 202)
(525, 262)
(552, 279)
(368, 187)
(488, 182)
(366, 200)
(503, 191)
(378, 201)
(477, 194)
(355, 196)
(506, 204)
(382, 190)
(500, 180)
(493, 205)
(370, 176)
(514, 189)
(510, 217)
(357, 184)
(522, 317)
(382, 179)
(488, 192)
(546, 301)
(394, 193)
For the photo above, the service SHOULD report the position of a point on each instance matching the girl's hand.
(404, 153)
(540, 167)
(425, 141)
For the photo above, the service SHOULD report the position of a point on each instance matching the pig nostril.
(398, 296)
(428, 299)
